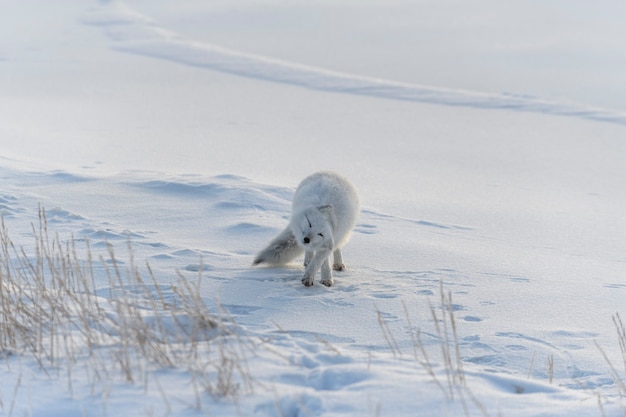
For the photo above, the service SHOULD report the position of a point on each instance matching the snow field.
(364, 346)
(187, 148)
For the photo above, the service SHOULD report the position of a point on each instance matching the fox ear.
(326, 209)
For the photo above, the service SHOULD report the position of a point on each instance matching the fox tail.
(280, 250)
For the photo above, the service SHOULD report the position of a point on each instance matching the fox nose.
(307, 240)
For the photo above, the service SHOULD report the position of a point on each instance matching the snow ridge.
(138, 34)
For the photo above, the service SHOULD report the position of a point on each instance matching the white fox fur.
(324, 211)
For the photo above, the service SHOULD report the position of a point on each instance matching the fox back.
(324, 203)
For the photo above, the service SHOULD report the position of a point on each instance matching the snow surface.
(487, 142)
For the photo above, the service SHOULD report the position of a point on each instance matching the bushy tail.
(280, 250)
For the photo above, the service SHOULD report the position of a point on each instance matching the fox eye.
(320, 234)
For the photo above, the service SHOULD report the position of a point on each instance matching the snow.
(487, 146)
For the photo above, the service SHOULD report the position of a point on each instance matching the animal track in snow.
(367, 229)
(198, 268)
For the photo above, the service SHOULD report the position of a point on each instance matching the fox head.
(313, 228)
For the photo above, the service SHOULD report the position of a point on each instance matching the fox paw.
(339, 267)
(307, 281)
(327, 282)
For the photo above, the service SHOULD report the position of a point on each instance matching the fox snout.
(310, 240)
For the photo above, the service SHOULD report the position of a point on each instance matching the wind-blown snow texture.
(138, 34)
(191, 150)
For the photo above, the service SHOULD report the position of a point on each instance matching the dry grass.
(446, 330)
(446, 368)
(50, 310)
(454, 386)
(619, 380)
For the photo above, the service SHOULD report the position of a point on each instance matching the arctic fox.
(324, 211)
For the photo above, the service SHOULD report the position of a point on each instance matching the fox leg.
(320, 256)
(327, 273)
(338, 264)
(308, 255)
